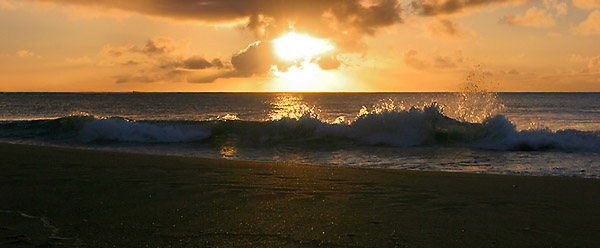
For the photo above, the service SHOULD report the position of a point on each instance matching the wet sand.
(58, 197)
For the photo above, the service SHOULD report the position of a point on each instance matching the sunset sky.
(299, 45)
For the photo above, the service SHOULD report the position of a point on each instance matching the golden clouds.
(538, 17)
(381, 44)
(534, 17)
(587, 4)
(268, 18)
(25, 53)
(447, 7)
(7, 4)
(159, 59)
(163, 59)
(594, 64)
(590, 26)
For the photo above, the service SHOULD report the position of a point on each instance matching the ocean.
(539, 134)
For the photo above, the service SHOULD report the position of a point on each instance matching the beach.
(62, 197)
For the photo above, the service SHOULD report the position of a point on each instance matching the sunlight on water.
(228, 117)
(228, 150)
(291, 107)
(340, 120)
(474, 107)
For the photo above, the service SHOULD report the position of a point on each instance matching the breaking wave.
(425, 126)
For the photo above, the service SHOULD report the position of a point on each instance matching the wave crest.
(425, 126)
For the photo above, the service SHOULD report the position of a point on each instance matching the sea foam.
(425, 126)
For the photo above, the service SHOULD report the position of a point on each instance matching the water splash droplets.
(475, 102)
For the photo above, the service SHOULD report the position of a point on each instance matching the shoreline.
(141, 153)
(96, 198)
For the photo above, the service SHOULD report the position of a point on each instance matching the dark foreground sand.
(55, 197)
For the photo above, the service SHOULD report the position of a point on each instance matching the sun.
(305, 74)
(294, 46)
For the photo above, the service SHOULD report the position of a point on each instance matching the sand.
(59, 197)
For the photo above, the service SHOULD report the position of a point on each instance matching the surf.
(414, 127)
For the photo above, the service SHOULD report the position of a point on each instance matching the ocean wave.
(87, 128)
(425, 126)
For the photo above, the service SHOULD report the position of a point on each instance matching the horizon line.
(294, 92)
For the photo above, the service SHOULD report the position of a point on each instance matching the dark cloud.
(151, 76)
(157, 47)
(329, 62)
(349, 16)
(160, 59)
(200, 63)
(196, 63)
(446, 27)
(415, 60)
(437, 7)
(367, 19)
(255, 60)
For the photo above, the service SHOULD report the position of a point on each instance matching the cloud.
(587, 4)
(255, 60)
(25, 53)
(7, 4)
(511, 72)
(329, 62)
(590, 26)
(415, 60)
(576, 58)
(446, 27)
(200, 63)
(560, 8)
(159, 59)
(147, 76)
(594, 64)
(436, 7)
(443, 62)
(534, 17)
(167, 60)
(258, 59)
(346, 19)
(160, 46)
